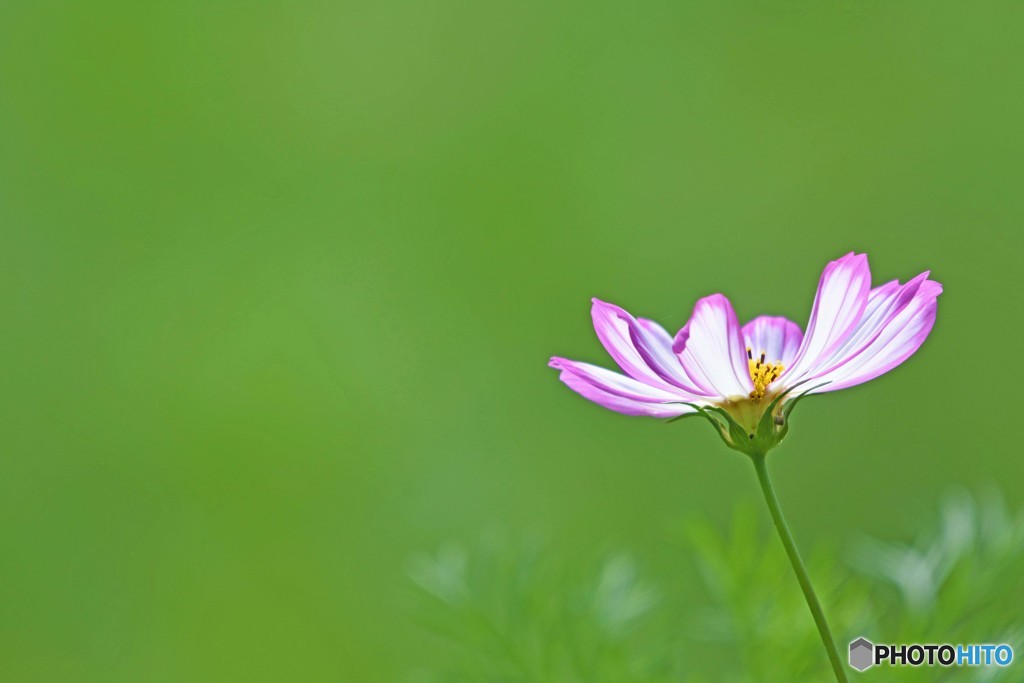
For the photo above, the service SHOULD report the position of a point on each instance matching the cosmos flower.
(745, 380)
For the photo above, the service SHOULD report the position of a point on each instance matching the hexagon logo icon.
(862, 654)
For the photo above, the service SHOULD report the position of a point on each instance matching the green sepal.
(727, 436)
(741, 438)
(788, 408)
(677, 418)
(771, 428)
(766, 428)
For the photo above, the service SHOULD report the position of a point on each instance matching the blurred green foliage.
(515, 618)
(279, 282)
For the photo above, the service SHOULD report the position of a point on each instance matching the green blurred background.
(279, 282)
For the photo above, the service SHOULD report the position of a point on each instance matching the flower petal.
(657, 332)
(884, 303)
(711, 349)
(777, 338)
(900, 321)
(838, 307)
(642, 350)
(617, 392)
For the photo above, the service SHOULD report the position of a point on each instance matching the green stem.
(798, 567)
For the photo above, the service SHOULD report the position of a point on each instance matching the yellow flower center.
(761, 373)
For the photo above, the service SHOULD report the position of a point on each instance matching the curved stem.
(798, 567)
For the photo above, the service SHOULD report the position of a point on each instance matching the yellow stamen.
(761, 373)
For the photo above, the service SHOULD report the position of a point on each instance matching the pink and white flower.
(855, 333)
